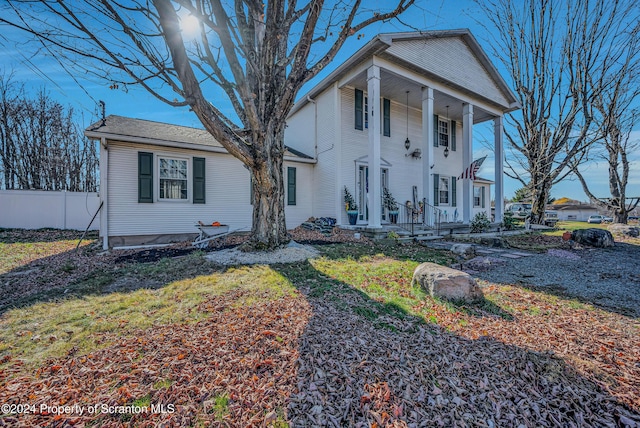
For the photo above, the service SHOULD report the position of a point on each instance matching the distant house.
(574, 212)
(398, 114)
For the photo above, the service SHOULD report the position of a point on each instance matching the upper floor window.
(362, 113)
(443, 133)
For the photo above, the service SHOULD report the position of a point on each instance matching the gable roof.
(407, 49)
(126, 129)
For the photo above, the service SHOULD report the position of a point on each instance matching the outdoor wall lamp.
(416, 154)
(446, 152)
(407, 143)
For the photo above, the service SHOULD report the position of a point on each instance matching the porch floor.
(419, 231)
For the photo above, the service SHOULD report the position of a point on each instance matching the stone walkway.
(482, 250)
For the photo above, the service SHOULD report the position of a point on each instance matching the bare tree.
(41, 144)
(561, 57)
(616, 119)
(256, 54)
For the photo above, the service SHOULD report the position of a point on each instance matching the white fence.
(35, 209)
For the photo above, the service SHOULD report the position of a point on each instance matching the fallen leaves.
(184, 365)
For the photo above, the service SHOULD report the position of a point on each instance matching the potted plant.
(390, 204)
(351, 206)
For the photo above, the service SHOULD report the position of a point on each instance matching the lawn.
(342, 339)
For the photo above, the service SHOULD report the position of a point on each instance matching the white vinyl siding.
(404, 172)
(227, 194)
(451, 59)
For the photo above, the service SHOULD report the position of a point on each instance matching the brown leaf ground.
(332, 355)
(242, 355)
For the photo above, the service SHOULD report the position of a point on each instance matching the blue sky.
(37, 71)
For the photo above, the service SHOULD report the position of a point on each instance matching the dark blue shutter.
(386, 117)
(453, 135)
(435, 131)
(436, 194)
(359, 115)
(483, 196)
(198, 181)
(145, 177)
(454, 195)
(291, 186)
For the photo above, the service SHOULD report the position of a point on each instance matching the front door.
(363, 192)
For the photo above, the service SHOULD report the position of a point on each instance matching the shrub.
(508, 222)
(480, 223)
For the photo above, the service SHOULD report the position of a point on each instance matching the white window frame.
(159, 158)
(477, 189)
(446, 191)
(444, 130)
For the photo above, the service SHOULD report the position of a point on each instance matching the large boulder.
(594, 237)
(447, 283)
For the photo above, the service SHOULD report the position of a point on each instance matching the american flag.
(471, 171)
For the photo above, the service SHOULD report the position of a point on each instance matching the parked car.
(606, 219)
(597, 219)
(518, 210)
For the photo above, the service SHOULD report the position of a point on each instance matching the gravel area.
(609, 278)
(292, 253)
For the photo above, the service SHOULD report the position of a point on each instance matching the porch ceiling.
(395, 88)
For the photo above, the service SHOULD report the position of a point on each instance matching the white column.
(467, 157)
(427, 143)
(373, 92)
(498, 131)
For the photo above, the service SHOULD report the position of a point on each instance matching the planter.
(393, 217)
(353, 217)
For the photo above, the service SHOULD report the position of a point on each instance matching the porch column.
(427, 144)
(498, 131)
(373, 92)
(467, 158)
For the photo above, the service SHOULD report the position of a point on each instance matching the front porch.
(411, 123)
(420, 232)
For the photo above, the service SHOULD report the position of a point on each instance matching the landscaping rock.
(594, 237)
(625, 230)
(443, 282)
(467, 251)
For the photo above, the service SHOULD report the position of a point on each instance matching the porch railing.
(432, 217)
(424, 216)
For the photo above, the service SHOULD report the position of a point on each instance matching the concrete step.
(428, 238)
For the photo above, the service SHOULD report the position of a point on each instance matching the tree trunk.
(269, 228)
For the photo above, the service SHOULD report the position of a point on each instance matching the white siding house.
(148, 183)
(399, 114)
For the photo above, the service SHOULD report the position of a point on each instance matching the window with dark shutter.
(358, 110)
(145, 177)
(291, 186)
(483, 196)
(386, 117)
(199, 181)
(436, 135)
